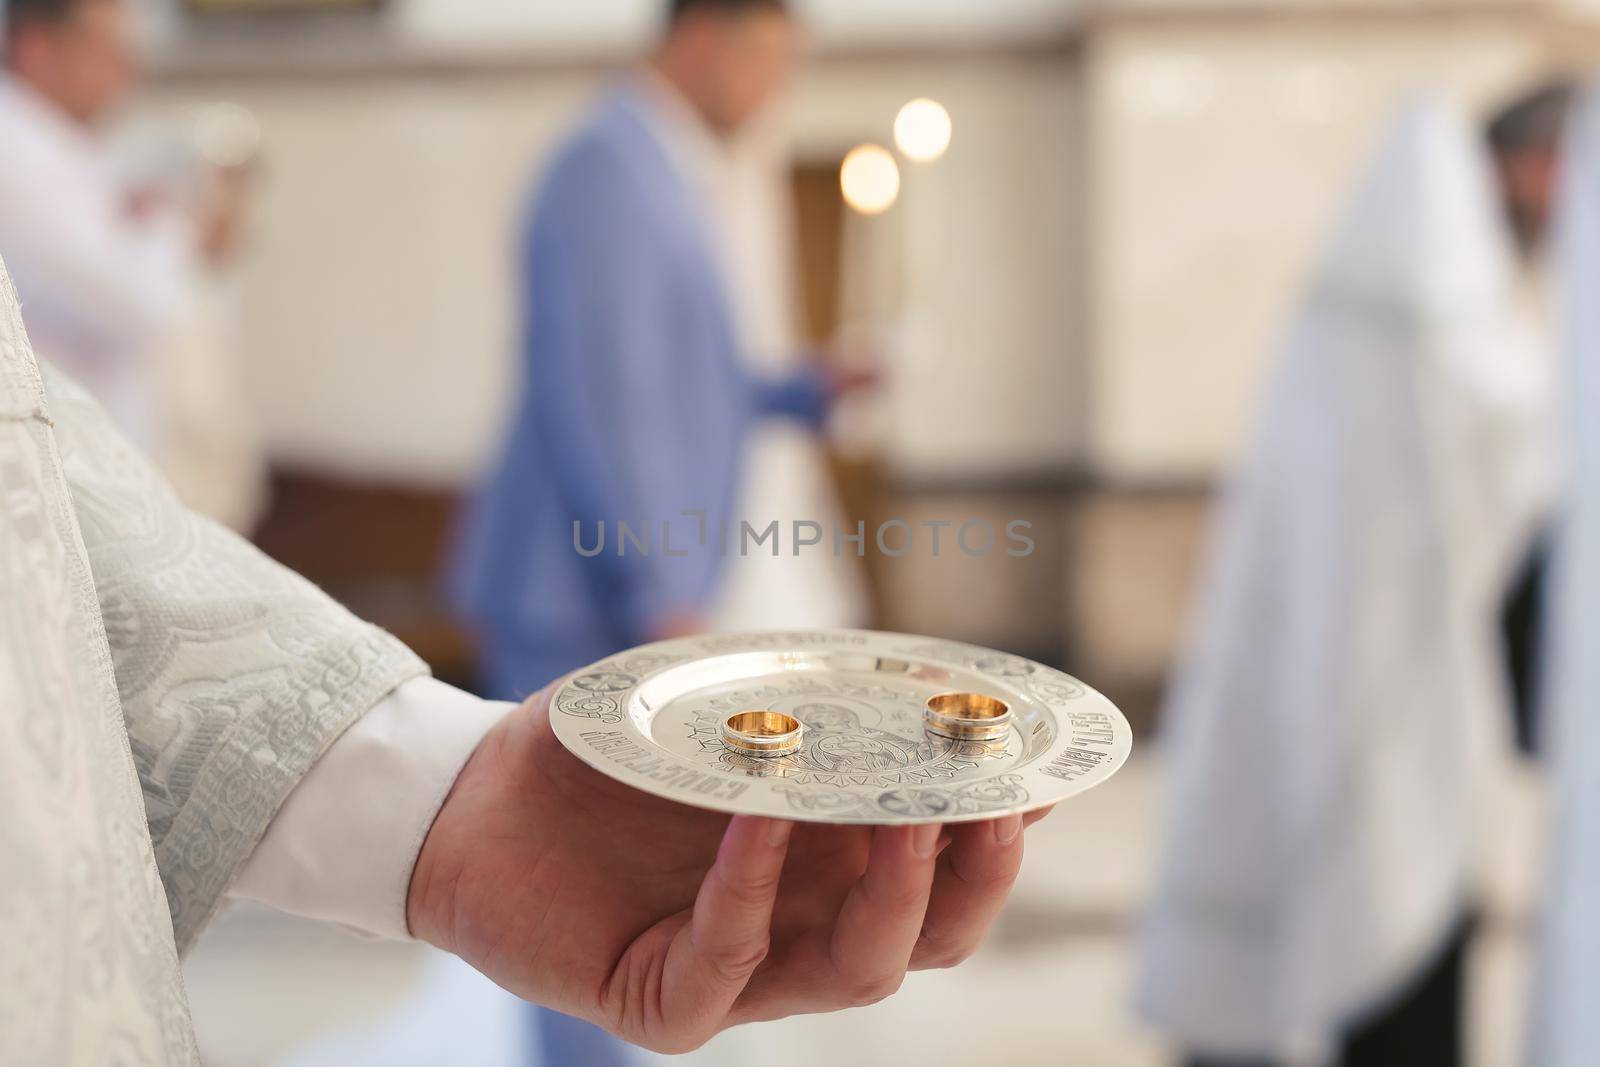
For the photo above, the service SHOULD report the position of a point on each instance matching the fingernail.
(1007, 829)
(924, 839)
(778, 832)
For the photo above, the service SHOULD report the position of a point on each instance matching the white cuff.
(342, 847)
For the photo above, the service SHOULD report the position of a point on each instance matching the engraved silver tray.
(652, 717)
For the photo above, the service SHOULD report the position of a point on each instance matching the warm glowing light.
(922, 130)
(870, 179)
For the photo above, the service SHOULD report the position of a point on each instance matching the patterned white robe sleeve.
(235, 674)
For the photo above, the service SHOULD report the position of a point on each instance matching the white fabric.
(100, 291)
(749, 212)
(1565, 1026)
(88, 968)
(342, 847)
(1329, 723)
(163, 689)
(235, 674)
(208, 445)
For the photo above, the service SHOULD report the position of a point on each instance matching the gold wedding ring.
(762, 734)
(967, 717)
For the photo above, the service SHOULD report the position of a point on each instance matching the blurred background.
(1073, 306)
(1106, 161)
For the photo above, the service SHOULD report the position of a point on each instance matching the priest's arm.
(289, 752)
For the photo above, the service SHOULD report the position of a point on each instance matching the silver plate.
(651, 717)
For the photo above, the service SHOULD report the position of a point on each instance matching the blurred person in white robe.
(1344, 690)
(123, 282)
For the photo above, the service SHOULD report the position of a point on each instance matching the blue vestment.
(634, 406)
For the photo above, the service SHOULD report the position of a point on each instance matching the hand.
(667, 924)
(142, 203)
(221, 215)
(848, 379)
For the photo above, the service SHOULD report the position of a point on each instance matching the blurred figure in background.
(1565, 1027)
(660, 374)
(662, 386)
(1344, 690)
(1525, 138)
(116, 281)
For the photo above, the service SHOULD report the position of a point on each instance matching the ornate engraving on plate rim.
(849, 769)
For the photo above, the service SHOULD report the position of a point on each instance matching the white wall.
(1221, 153)
(376, 306)
(985, 369)
(628, 23)
(378, 316)
(622, 26)
(1103, 263)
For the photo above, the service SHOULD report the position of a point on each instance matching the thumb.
(715, 953)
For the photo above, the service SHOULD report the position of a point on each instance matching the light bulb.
(922, 130)
(870, 179)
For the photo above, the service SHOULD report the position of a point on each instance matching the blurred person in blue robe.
(662, 388)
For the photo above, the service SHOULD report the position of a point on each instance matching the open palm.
(666, 924)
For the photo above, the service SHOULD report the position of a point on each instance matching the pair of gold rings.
(958, 716)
